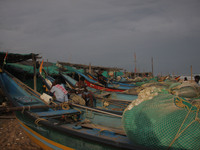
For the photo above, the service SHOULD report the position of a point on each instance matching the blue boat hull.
(77, 128)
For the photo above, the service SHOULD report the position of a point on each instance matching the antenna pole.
(191, 72)
(152, 66)
(135, 71)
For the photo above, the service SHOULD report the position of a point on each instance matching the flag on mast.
(4, 61)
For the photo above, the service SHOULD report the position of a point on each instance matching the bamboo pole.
(191, 73)
(112, 99)
(34, 70)
(8, 109)
(7, 117)
(90, 68)
(96, 110)
(135, 70)
(152, 66)
(47, 67)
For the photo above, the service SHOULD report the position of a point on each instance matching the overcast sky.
(106, 32)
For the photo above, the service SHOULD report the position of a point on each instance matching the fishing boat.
(95, 84)
(113, 95)
(62, 126)
(112, 102)
(130, 84)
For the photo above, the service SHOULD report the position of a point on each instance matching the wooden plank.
(91, 126)
(34, 69)
(112, 99)
(57, 113)
(96, 110)
(8, 117)
(102, 95)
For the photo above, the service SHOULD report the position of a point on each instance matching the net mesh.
(159, 119)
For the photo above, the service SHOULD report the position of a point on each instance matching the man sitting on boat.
(58, 90)
(83, 92)
(101, 78)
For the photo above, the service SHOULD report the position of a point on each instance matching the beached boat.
(62, 127)
(113, 102)
(95, 84)
(130, 84)
(113, 95)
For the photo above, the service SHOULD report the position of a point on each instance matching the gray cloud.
(106, 32)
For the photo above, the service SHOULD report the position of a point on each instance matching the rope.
(55, 104)
(119, 104)
(197, 118)
(101, 128)
(88, 115)
(65, 106)
(78, 110)
(196, 104)
(179, 102)
(38, 120)
(179, 133)
(29, 108)
(23, 109)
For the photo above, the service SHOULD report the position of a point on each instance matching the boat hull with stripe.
(59, 127)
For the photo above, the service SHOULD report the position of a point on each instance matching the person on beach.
(101, 78)
(83, 92)
(58, 90)
(196, 79)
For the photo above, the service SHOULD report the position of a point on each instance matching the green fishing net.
(160, 120)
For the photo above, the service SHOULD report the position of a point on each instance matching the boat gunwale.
(91, 138)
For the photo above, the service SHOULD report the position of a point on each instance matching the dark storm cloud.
(105, 32)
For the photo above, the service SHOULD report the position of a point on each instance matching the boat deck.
(114, 135)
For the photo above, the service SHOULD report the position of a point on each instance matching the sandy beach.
(12, 137)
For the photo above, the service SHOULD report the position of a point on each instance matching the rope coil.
(38, 120)
(65, 106)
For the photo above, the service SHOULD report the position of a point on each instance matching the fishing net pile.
(77, 99)
(186, 89)
(138, 89)
(164, 118)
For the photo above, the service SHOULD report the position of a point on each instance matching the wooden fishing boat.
(112, 81)
(95, 84)
(113, 95)
(61, 126)
(112, 102)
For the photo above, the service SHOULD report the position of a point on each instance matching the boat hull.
(101, 87)
(80, 127)
(48, 136)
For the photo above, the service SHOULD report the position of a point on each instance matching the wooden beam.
(92, 67)
(191, 73)
(152, 66)
(34, 70)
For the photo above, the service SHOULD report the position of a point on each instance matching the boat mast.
(191, 72)
(34, 70)
(135, 70)
(152, 65)
(90, 68)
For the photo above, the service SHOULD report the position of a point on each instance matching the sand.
(12, 136)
